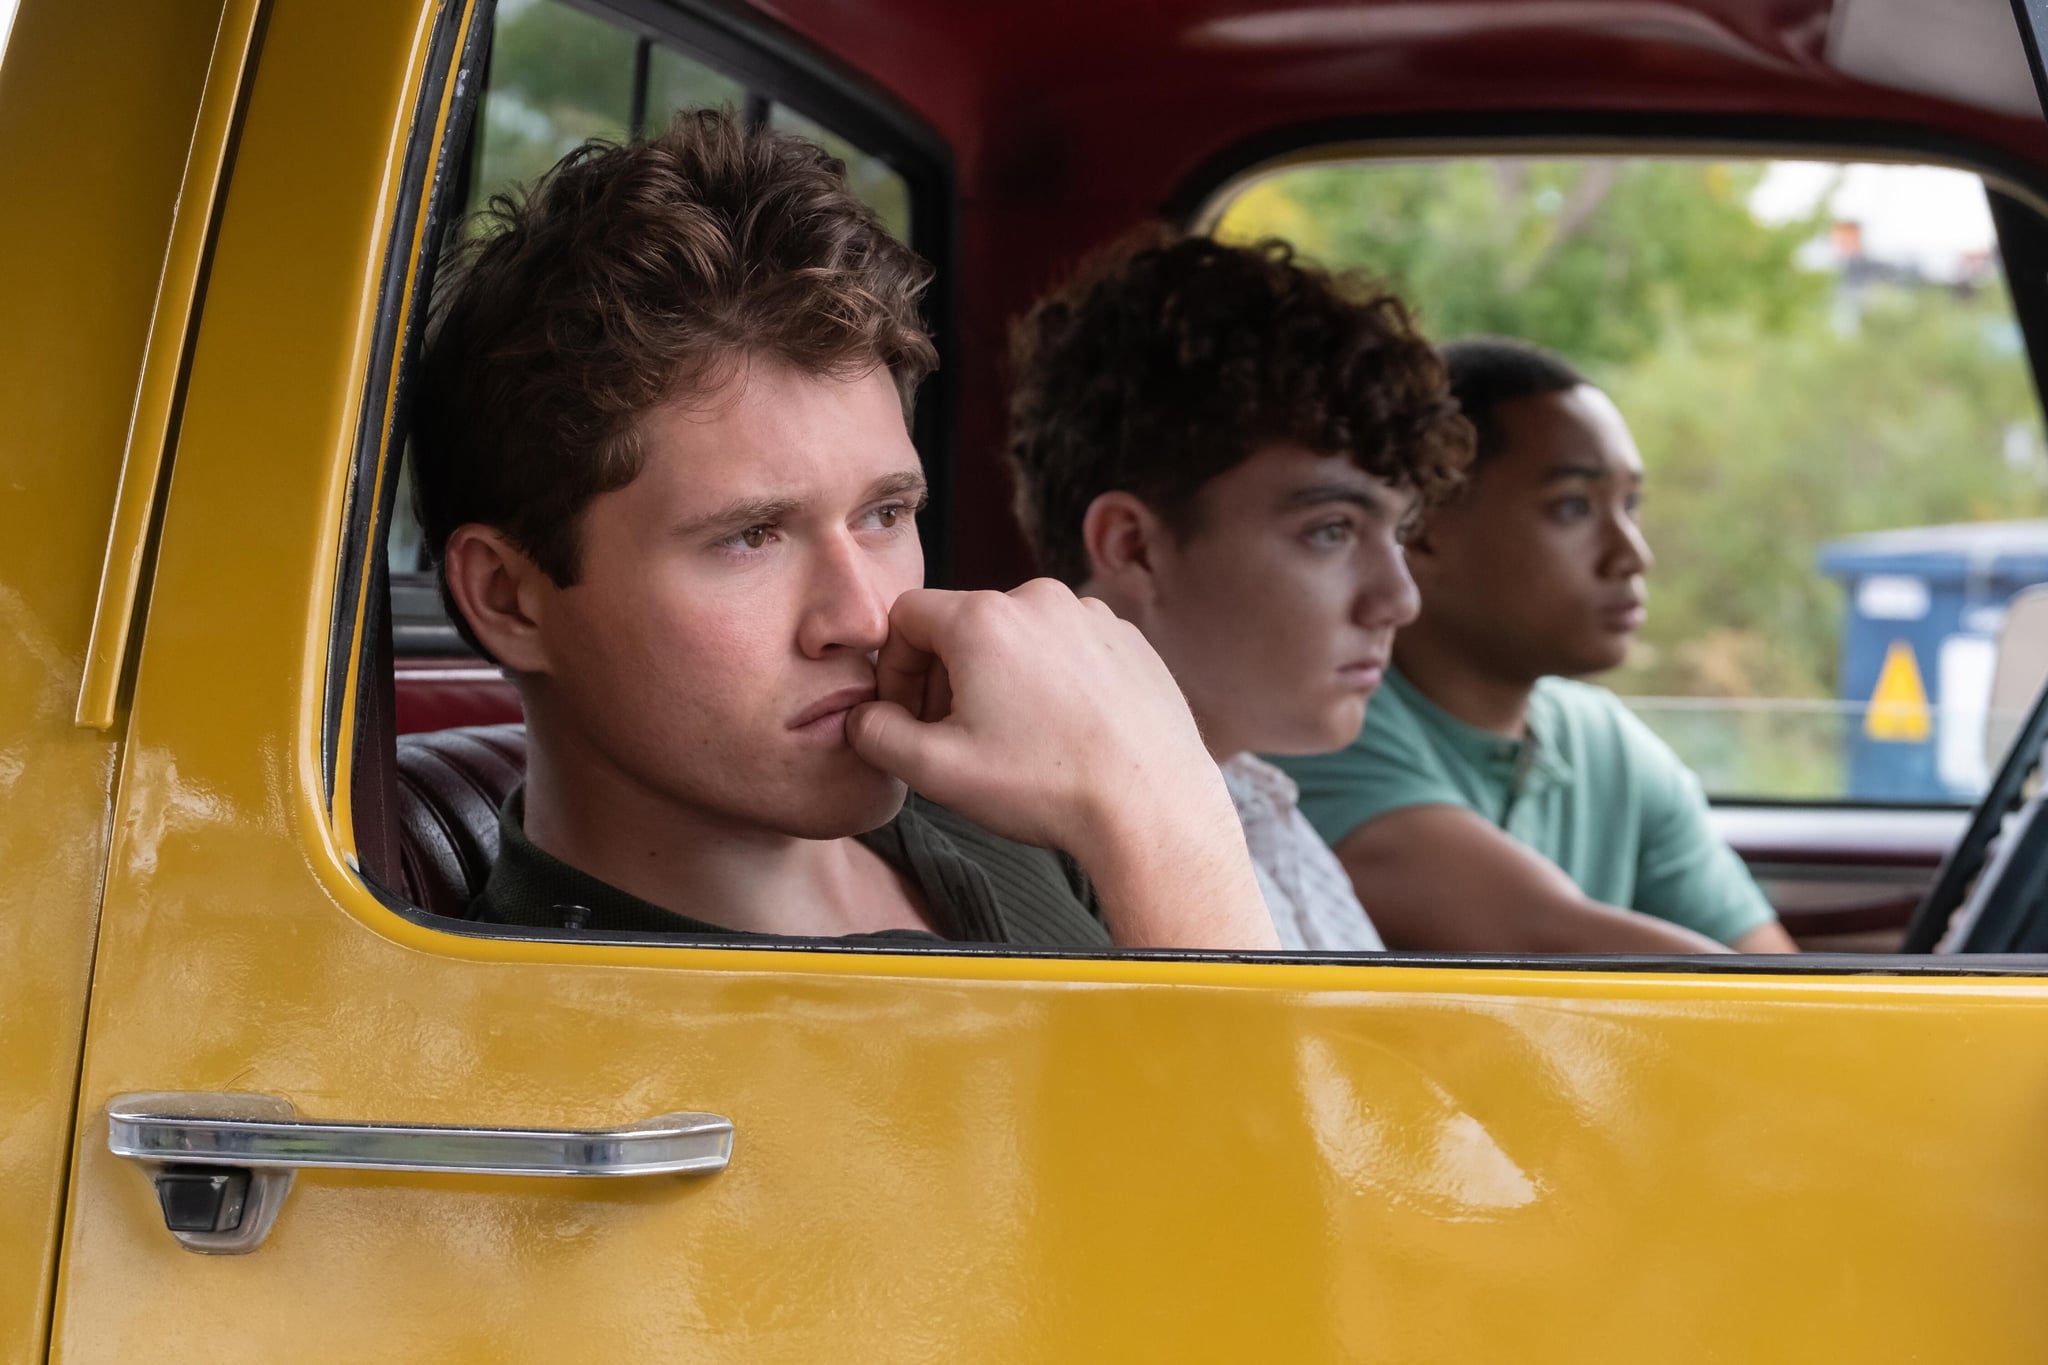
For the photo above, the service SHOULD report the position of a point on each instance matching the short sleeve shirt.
(1307, 891)
(1589, 787)
(977, 887)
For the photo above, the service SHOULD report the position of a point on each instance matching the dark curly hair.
(629, 275)
(1165, 363)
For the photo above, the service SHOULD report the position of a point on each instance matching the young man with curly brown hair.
(1224, 443)
(663, 461)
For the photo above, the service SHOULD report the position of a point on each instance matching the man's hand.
(1047, 719)
(1766, 938)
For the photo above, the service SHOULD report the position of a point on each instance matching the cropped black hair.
(1489, 371)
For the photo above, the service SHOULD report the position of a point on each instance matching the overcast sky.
(1928, 216)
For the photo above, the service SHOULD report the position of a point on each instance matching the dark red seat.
(441, 693)
(450, 785)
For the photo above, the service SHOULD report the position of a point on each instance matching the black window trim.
(394, 349)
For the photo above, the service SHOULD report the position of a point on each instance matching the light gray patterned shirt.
(1307, 891)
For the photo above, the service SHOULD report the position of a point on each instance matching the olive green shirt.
(976, 887)
(1590, 788)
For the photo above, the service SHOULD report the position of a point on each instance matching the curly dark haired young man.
(664, 464)
(1224, 443)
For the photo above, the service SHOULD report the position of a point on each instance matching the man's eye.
(889, 514)
(1571, 509)
(1330, 534)
(753, 538)
(1634, 506)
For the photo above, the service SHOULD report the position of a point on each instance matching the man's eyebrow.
(740, 512)
(744, 512)
(1596, 472)
(904, 483)
(1322, 494)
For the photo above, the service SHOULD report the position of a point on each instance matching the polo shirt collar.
(1521, 766)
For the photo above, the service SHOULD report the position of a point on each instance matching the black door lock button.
(202, 1198)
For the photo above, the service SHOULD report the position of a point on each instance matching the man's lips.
(1626, 615)
(1365, 674)
(832, 706)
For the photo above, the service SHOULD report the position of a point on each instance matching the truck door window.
(675, 81)
(1821, 365)
(873, 179)
(558, 77)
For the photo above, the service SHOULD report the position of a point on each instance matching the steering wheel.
(2000, 902)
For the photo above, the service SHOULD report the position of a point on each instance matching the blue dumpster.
(1924, 610)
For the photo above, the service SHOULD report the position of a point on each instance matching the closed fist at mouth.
(1046, 718)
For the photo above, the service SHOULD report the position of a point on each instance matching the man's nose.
(847, 604)
(1629, 549)
(1387, 597)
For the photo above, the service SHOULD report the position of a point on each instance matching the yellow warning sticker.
(1898, 704)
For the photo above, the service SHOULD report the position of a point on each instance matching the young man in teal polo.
(1491, 804)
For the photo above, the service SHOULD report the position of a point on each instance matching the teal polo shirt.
(1590, 788)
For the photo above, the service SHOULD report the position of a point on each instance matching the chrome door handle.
(198, 1129)
(188, 1141)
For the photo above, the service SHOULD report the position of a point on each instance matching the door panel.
(937, 1156)
(1311, 1164)
(1831, 914)
(117, 87)
(1843, 879)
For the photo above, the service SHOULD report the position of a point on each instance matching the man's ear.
(501, 592)
(1122, 537)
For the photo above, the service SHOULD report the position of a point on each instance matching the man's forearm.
(1586, 926)
(1439, 879)
(1180, 883)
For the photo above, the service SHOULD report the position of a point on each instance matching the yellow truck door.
(959, 1156)
(82, 257)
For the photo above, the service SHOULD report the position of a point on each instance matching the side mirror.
(2019, 672)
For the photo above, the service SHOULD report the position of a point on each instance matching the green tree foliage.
(1593, 258)
(558, 77)
(1764, 446)
(1779, 407)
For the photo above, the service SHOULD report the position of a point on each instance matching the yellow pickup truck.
(263, 1099)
